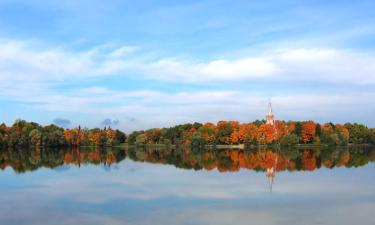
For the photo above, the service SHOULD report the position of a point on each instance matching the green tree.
(372, 136)
(330, 138)
(53, 136)
(35, 137)
(225, 129)
(318, 130)
(13, 139)
(1, 140)
(120, 137)
(133, 137)
(141, 139)
(196, 140)
(197, 125)
(359, 134)
(208, 134)
(103, 140)
(298, 129)
(258, 123)
(289, 140)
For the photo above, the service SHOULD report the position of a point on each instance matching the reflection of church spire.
(271, 173)
(269, 117)
(270, 176)
(79, 157)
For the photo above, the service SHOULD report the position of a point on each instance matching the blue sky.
(143, 64)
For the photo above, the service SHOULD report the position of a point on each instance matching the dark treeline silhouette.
(30, 134)
(226, 160)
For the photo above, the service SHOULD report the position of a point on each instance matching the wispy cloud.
(158, 108)
(36, 75)
(23, 62)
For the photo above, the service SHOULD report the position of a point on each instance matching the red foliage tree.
(308, 131)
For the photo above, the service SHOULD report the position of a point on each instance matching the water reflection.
(142, 186)
(229, 160)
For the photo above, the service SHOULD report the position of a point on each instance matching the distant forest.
(257, 133)
(30, 134)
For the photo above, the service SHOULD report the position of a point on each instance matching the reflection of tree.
(22, 160)
(259, 160)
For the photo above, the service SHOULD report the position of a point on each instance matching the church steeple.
(269, 107)
(269, 117)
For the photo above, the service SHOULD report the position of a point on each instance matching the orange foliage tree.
(281, 129)
(308, 131)
(225, 129)
(247, 132)
(208, 132)
(343, 131)
(265, 134)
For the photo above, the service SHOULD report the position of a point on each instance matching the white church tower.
(270, 119)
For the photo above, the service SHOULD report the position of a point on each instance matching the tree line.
(30, 134)
(256, 133)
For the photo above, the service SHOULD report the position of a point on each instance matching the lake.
(146, 186)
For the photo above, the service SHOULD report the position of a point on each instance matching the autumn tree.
(154, 136)
(224, 131)
(266, 134)
(196, 140)
(234, 137)
(188, 134)
(247, 133)
(308, 131)
(291, 126)
(208, 132)
(35, 137)
(281, 129)
(343, 134)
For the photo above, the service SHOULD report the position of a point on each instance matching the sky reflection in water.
(154, 191)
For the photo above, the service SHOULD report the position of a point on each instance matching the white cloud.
(173, 70)
(158, 108)
(23, 62)
(327, 66)
(30, 73)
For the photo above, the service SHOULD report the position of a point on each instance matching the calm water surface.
(158, 186)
